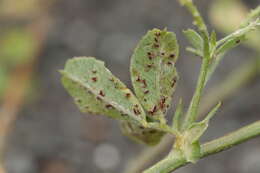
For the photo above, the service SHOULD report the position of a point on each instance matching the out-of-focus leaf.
(97, 91)
(227, 22)
(17, 46)
(3, 79)
(139, 134)
(153, 71)
(23, 9)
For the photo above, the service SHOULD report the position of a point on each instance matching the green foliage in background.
(17, 45)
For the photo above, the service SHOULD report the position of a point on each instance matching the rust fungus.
(238, 41)
(149, 65)
(153, 110)
(138, 79)
(94, 79)
(155, 39)
(146, 92)
(172, 55)
(98, 98)
(169, 63)
(109, 106)
(102, 93)
(156, 45)
(144, 82)
(127, 95)
(162, 103)
(136, 111)
(173, 82)
(162, 53)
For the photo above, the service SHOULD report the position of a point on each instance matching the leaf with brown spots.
(89, 82)
(154, 84)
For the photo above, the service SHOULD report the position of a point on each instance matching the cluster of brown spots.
(150, 55)
(146, 91)
(153, 110)
(238, 41)
(173, 82)
(169, 63)
(138, 79)
(156, 45)
(144, 83)
(162, 103)
(155, 39)
(149, 65)
(109, 106)
(162, 53)
(94, 79)
(94, 71)
(98, 98)
(102, 93)
(127, 95)
(172, 55)
(136, 110)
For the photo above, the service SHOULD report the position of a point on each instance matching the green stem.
(242, 31)
(171, 162)
(251, 16)
(198, 20)
(192, 112)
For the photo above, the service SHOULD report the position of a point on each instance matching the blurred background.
(42, 131)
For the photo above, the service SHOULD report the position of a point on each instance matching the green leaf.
(230, 44)
(196, 130)
(236, 37)
(153, 71)
(194, 38)
(97, 91)
(148, 136)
